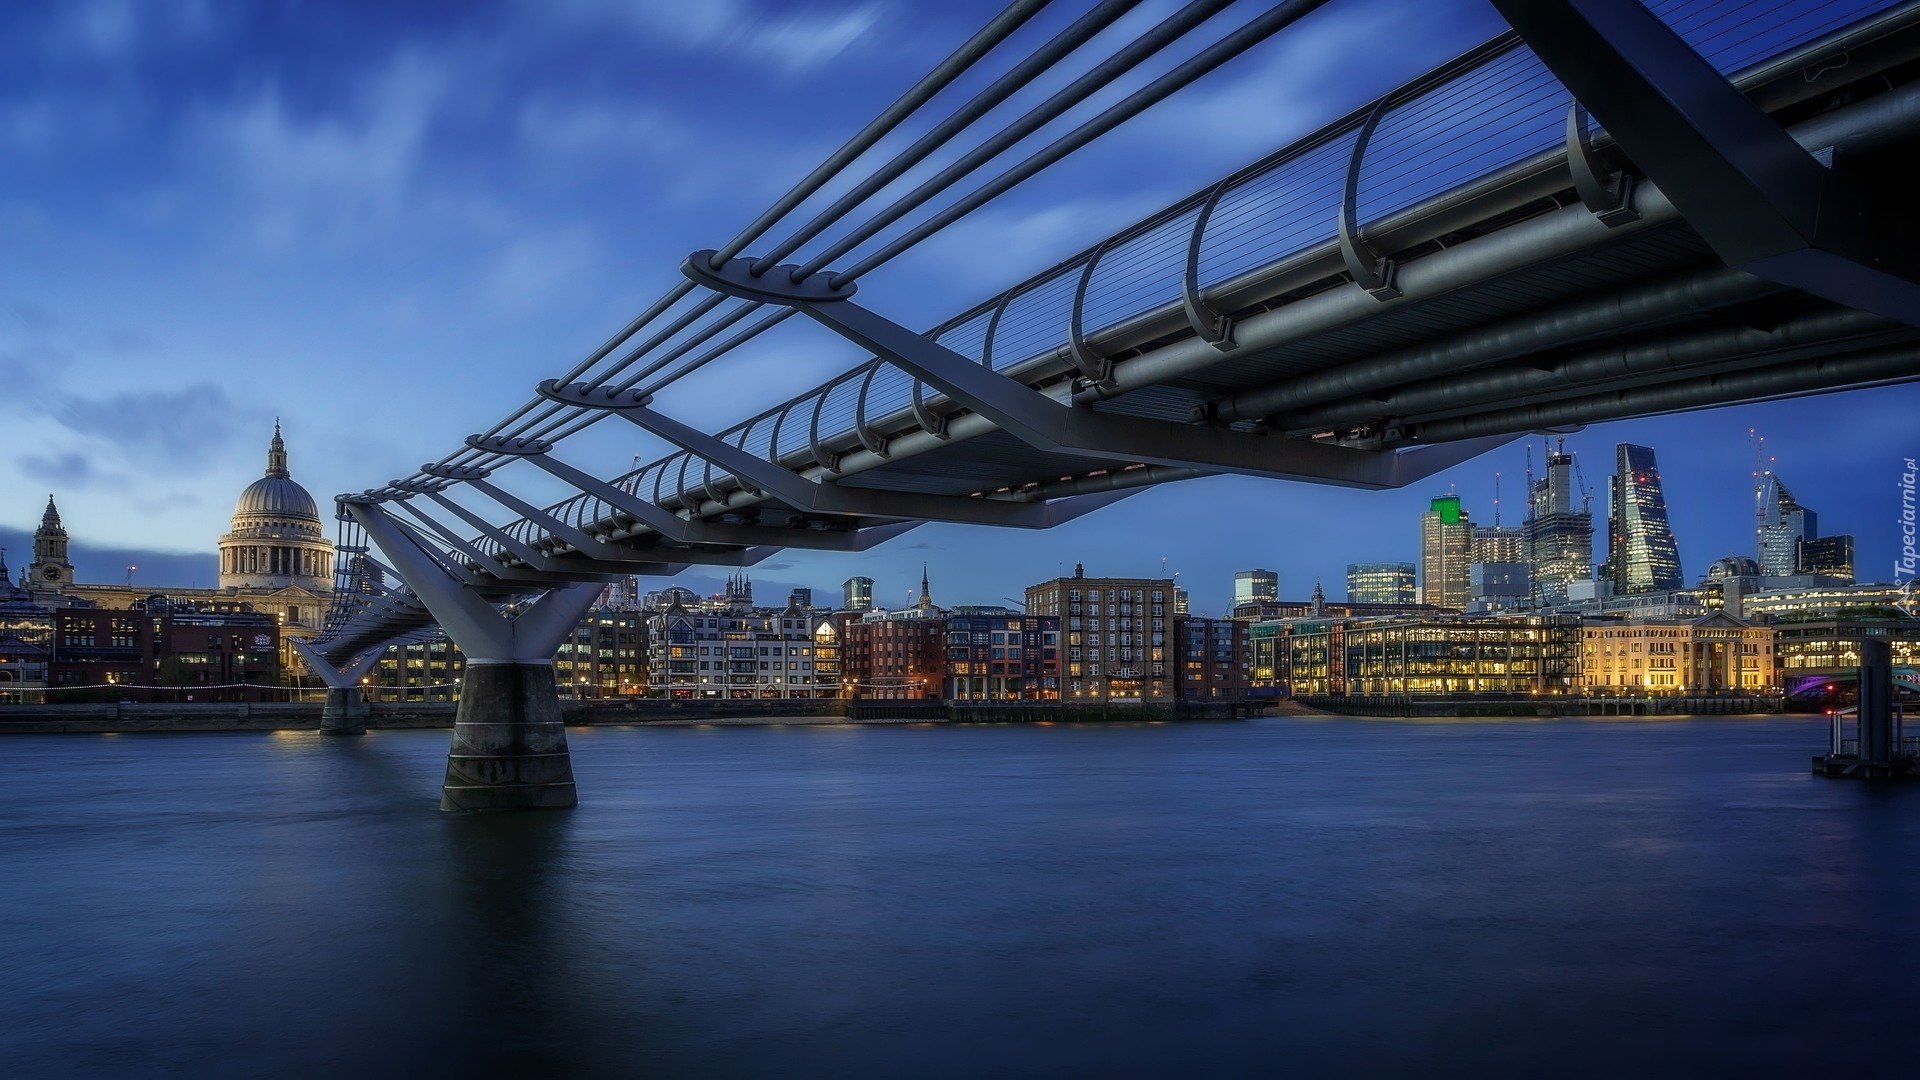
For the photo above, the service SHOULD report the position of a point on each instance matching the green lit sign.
(1448, 507)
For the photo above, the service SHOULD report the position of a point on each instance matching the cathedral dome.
(278, 539)
(276, 497)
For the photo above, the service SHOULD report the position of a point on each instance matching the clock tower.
(50, 568)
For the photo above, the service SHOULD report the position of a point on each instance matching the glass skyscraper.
(1382, 583)
(1641, 553)
(1781, 524)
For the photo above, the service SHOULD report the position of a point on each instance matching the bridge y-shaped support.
(1763, 203)
(509, 744)
(1046, 424)
(345, 712)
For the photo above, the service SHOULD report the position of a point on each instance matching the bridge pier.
(509, 742)
(345, 712)
(509, 747)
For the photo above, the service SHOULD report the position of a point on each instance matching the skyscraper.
(1382, 583)
(1497, 544)
(856, 594)
(1780, 524)
(1446, 553)
(1641, 553)
(1254, 586)
(1559, 534)
(1831, 556)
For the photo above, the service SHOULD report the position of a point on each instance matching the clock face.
(51, 573)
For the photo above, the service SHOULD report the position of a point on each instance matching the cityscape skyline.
(1202, 565)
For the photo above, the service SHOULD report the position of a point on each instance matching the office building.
(1497, 586)
(1446, 551)
(1254, 586)
(1712, 654)
(801, 598)
(1499, 544)
(1382, 583)
(1642, 555)
(605, 657)
(1559, 530)
(1781, 523)
(1446, 654)
(1116, 632)
(856, 594)
(1827, 556)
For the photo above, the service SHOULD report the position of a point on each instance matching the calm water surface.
(1276, 897)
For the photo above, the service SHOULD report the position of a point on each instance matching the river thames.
(1283, 896)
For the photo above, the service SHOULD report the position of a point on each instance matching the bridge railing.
(1492, 112)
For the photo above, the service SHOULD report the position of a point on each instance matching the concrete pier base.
(509, 743)
(345, 712)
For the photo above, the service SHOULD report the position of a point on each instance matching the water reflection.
(1171, 900)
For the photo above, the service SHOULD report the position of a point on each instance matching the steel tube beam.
(1799, 378)
(1641, 361)
(1699, 291)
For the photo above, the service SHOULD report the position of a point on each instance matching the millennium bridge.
(1611, 210)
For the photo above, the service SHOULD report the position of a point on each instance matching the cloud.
(184, 426)
(72, 470)
(334, 178)
(796, 41)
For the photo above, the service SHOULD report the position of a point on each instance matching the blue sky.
(385, 223)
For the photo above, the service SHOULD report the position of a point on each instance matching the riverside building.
(275, 561)
(1713, 654)
(1433, 655)
(998, 654)
(1116, 632)
(739, 652)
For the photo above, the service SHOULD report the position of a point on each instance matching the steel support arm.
(810, 495)
(685, 530)
(337, 677)
(1759, 198)
(1046, 424)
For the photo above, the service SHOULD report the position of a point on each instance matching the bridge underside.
(1332, 314)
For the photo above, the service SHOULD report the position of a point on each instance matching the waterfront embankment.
(130, 718)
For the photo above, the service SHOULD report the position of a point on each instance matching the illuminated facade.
(896, 655)
(1559, 536)
(1533, 654)
(1116, 632)
(1446, 551)
(1781, 523)
(1002, 656)
(605, 657)
(1708, 655)
(1642, 555)
(1382, 583)
(1832, 646)
(1254, 586)
(739, 652)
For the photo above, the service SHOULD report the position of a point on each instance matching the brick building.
(1115, 631)
(1002, 655)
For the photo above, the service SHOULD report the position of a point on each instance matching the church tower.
(50, 569)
